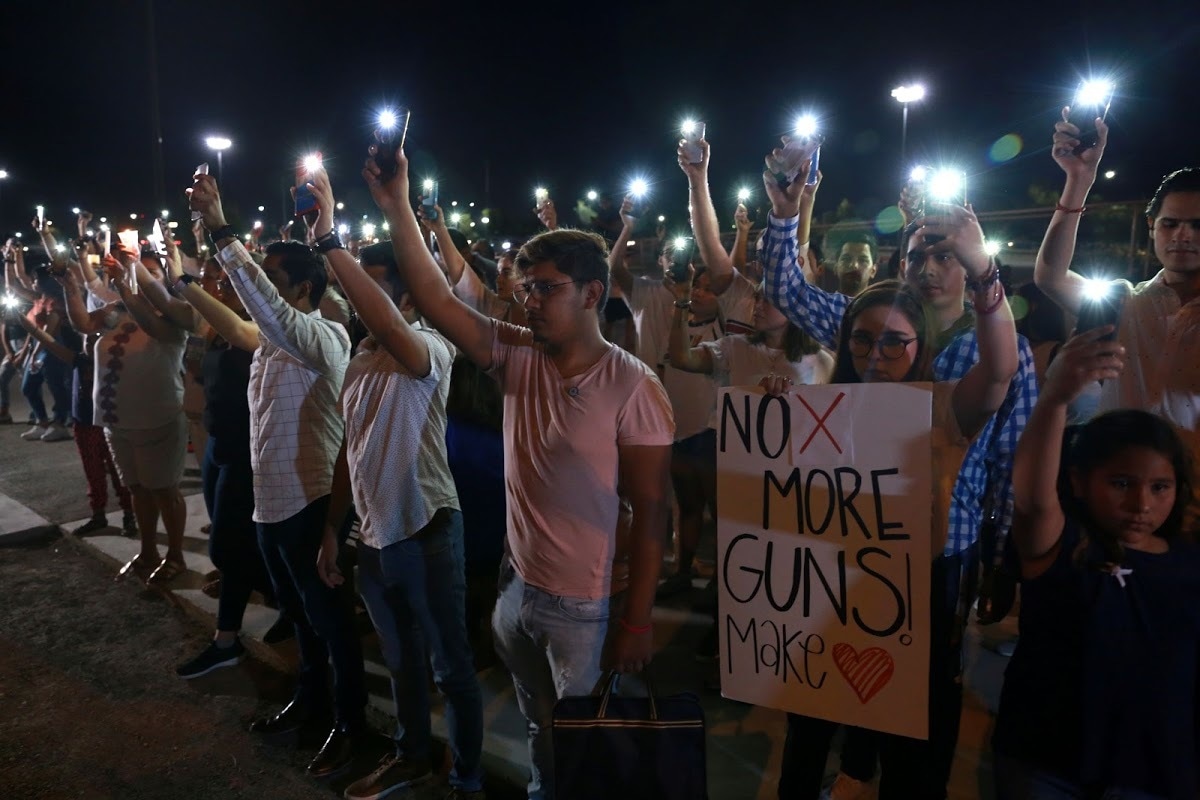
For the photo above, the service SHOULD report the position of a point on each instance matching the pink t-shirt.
(561, 439)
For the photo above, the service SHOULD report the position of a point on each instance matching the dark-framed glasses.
(890, 345)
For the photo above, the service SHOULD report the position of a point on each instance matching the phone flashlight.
(10, 300)
(800, 147)
(368, 230)
(743, 194)
(681, 255)
(1102, 303)
(75, 210)
(41, 217)
(429, 198)
(389, 137)
(202, 169)
(1092, 100)
(693, 132)
(306, 201)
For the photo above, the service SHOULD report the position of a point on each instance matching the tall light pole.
(912, 93)
(220, 144)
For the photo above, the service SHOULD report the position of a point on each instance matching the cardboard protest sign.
(823, 545)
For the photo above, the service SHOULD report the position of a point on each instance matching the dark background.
(572, 96)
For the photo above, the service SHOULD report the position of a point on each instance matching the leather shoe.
(288, 720)
(337, 753)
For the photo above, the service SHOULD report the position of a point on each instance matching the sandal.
(136, 567)
(167, 570)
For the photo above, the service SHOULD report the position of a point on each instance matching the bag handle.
(610, 685)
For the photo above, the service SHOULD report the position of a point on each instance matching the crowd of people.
(548, 418)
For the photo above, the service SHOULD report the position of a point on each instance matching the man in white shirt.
(580, 414)
(295, 434)
(1159, 325)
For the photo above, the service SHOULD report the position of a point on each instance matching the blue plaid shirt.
(985, 480)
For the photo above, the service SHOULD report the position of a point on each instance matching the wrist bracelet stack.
(223, 232)
(988, 280)
(330, 241)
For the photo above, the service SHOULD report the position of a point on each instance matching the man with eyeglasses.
(580, 416)
(933, 264)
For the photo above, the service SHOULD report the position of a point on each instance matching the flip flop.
(167, 570)
(136, 567)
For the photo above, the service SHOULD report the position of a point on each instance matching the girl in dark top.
(1100, 697)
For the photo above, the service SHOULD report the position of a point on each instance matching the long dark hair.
(904, 299)
(1107, 436)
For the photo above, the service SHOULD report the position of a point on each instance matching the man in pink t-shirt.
(580, 417)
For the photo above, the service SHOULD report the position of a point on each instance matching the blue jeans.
(323, 617)
(7, 372)
(552, 646)
(415, 591)
(232, 541)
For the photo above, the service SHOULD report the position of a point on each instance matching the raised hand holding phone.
(202, 169)
(1068, 150)
(390, 192)
(388, 138)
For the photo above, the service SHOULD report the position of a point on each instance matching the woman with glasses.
(888, 335)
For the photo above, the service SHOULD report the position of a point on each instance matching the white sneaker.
(35, 433)
(57, 433)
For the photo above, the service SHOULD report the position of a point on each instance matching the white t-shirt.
(739, 362)
(139, 379)
(396, 440)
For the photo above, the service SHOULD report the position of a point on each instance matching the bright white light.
(165, 213)
(10, 301)
(455, 218)
(104, 219)
(661, 218)
(262, 209)
(91, 232)
(806, 125)
(638, 187)
(133, 216)
(368, 230)
(630, 243)
(341, 206)
(172, 224)
(506, 245)
(428, 185)
(991, 248)
(540, 193)
(688, 127)
(1010, 244)
(1110, 174)
(58, 248)
(1094, 93)
(312, 163)
(103, 227)
(918, 174)
(1095, 289)
(591, 195)
(472, 224)
(454, 204)
(218, 143)
(679, 243)
(470, 205)
(258, 223)
(3, 174)
(743, 194)
(386, 227)
(909, 94)
(946, 184)
(387, 119)
(246, 237)
(485, 220)
(75, 210)
(343, 229)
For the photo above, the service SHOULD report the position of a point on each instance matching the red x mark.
(821, 422)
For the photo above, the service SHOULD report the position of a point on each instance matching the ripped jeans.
(552, 645)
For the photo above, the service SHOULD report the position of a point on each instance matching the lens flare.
(1006, 148)
(1096, 289)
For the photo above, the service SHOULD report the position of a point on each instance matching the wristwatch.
(184, 281)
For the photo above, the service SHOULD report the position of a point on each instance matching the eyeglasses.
(539, 289)
(891, 345)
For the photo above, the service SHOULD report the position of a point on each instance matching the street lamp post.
(904, 95)
(220, 144)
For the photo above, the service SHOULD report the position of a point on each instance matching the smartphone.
(93, 259)
(429, 199)
(796, 151)
(306, 202)
(682, 255)
(196, 215)
(41, 218)
(1083, 116)
(693, 132)
(1096, 312)
(388, 141)
(814, 168)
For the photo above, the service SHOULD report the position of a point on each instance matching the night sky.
(572, 96)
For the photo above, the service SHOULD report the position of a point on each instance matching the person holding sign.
(1100, 697)
(945, 265)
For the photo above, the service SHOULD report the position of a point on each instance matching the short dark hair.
(1108, 436)
(302, 263)
(836, 239)
(580, 255)
(1181, 180)
(381, 254)
(907, 301)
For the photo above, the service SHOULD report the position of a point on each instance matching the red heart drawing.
(866, 672)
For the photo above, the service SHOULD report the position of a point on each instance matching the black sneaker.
(129, 525)
(212, 658)
(98, 522)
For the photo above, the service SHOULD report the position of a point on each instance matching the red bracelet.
(633, 628)
(1061, 207)
(983, 312)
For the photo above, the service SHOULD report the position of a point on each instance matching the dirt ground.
(90, 706)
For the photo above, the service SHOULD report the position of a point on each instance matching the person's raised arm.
(241, 333)
(143, 312)
(314, 343)
(983, 389)
(1038, 524)
(470, 331)
(705, 227)
(24, 280)
(617, 266)
(679, 349)
(738, 254)
(1052, 270)
(175, 311)
(456, 267)
(47, 340)
(815, 311)
(77, 313)
(375, 308)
